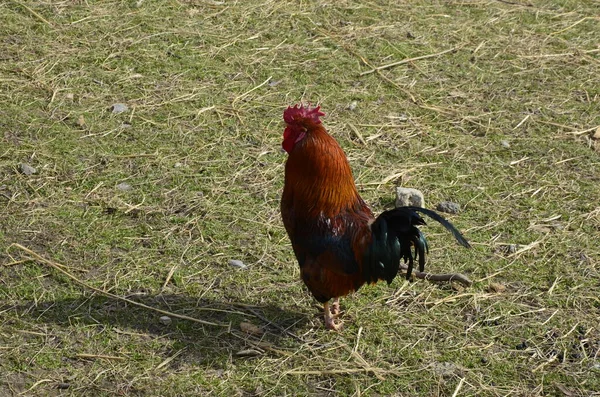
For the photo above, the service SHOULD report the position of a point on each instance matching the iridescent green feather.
(394, 235)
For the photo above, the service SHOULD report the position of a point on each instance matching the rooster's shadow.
(200, 341)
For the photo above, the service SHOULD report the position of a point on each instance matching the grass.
(503, 125)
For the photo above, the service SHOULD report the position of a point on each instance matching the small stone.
(406, 196)
(445, 369)
(178, 165)
(274, 83)
(26, 169)
(541, 228)
(4, 191)
(521, 346)
(496, 287)
(352, 105)
(81, 121)
(507, 249)
(119, 108)
(193, 12)
(70, 96)
(165, 320)
(512, 248)
(63, 386)
(596, 134)
(124, 186)
(236, 263)
(448, 207)
(458, 94)
(505, 144)
(251, 329)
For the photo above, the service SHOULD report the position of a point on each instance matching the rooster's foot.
(335, 306)
(330, 318)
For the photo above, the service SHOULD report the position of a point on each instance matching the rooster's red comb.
(300, 113)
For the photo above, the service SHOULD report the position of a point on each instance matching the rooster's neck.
(319, 176)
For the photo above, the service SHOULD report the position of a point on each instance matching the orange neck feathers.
(319, 177)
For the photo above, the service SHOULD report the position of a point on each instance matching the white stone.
(409, 197)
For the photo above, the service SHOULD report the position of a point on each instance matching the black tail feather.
(395, 233)
(437, 217)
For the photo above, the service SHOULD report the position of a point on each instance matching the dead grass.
(491, 104)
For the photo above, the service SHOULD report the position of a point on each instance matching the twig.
(169, 276)
(362, 362)
(464, 280)
(416, 100)
(357, 133)
(573, 25)
(582, 131)
(101, 356)
(390, 81)
(525, 248)
(366, 62)
(34, 13)
(60, 267)
(458, 387)
(249, 91)
(522, 121)
(563, 54)
(338, 371)
(169, 359)
(407, 60)
(515, 4)
(36, 384)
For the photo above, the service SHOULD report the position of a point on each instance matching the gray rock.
(512, 248)
(26, 169)
(124, 186)
(119, 108)
(448, 207)
(505, 144)
(408, 196)
(236, 263)
(352, 105)
(446, 369)
(165, 320)
(507, 249)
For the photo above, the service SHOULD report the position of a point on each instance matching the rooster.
(337, 241)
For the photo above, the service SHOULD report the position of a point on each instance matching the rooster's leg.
(329, 318)
(335, 306)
